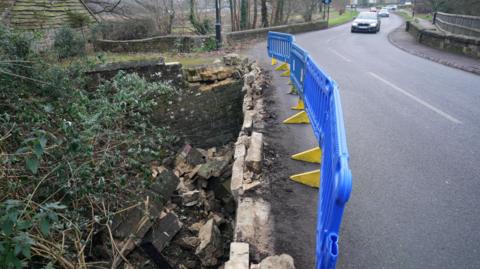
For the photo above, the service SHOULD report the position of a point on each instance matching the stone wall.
(464, 45)
(261, 33)
(154, 44)
(188, 43)
(204, 118)
(151, 70)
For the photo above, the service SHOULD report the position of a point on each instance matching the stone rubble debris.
(283, 261)
(189, 210)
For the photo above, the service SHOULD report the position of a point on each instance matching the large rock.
(255, 153)
(239, 256)
(164, 186)
(232, 59)
(213, 168)
(283, 261)
(208, 73)
(190, 156)
(160, 235)
(158, 194)
(254, 226)
(211, 245)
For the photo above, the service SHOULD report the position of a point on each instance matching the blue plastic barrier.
(298, 58)
(322, 104)
(279, 45)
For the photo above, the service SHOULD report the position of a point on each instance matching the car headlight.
(355, 23)
(373, 24)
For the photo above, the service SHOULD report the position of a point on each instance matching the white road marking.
(418, 100)
(340, 55)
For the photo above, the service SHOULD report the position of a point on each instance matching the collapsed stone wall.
(253, 242)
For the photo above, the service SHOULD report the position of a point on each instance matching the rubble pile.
(187, 217)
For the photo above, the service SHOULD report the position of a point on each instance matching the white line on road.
(418, 100)
(340, 55)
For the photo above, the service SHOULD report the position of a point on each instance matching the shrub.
(68, 43)
(126, 30)
(70, 157)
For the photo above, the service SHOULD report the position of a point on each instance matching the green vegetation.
(341, 19)
(68, 43)
(70, 157)
(407, 16)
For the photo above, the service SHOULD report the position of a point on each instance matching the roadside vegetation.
(344, 18)
(71, 158)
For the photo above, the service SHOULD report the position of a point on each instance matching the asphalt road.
(413, 131)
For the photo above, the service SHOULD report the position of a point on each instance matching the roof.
(42, 14)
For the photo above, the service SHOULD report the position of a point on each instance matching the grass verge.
(345, 17)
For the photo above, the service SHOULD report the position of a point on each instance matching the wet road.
(413, 131)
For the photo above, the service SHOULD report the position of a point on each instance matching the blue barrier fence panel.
(322, 102)
(279, 45)
(298, 58)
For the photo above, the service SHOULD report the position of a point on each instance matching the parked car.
(373, 9)
(392, 7)
(366, 22)
(384, 13)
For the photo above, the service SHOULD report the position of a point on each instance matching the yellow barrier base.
(312, 155)
(282, 67)
(274, 61)
(311, 178)
(300, 105)
(285, 74)
(300, 117)
(293, 90)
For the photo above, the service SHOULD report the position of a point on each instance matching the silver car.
(384, 13)
(366, 22)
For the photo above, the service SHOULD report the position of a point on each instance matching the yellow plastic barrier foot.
(311, 178)
(300, 117)
(282, 67)
(285, 74)
(312, 155)
(300, 105)
(274, 61)
(293, 90)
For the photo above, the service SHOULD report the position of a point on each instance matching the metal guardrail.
(458, 24)
(322, 104)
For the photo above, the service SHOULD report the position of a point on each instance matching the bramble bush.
(68, 43)
(69, 158)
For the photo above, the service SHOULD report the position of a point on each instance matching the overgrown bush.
(126, 30)
(68, 43)
(70, 158)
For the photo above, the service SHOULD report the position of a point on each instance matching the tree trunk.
(243, 14)
(232, 15)
(279, 12)
(255, 14)
(264, 13)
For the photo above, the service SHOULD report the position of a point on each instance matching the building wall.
(41, 14)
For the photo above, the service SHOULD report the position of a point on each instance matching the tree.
(202, 27)
(162, 12)
(264, 13)
(255, 14)
(244, 14)
(278, 18)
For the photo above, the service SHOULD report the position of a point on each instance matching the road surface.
(413, 131)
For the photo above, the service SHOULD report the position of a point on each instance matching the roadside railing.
(321, 97)
(458, 24)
